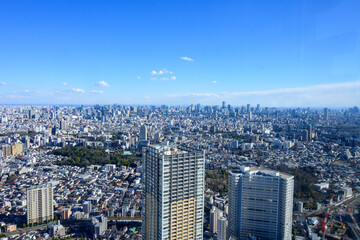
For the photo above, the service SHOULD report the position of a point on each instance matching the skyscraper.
(143, 132)
(39, 202)
(173, 194)
(248, 108)
(326, 114)
(309, 129)
(260, 203)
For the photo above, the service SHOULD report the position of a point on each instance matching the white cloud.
(187, 59)
(97, 91)
(78, 90)
(214, 81)
(138, 77)
(161, 72)
(102, 84)
(64, 83)
(172, 78)
(3, 83)
(331, 95)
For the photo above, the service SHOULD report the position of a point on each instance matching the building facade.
(173, 194)
(143, 132)
(222, 227)
(260, 204)
(215, 214)
(39, 200)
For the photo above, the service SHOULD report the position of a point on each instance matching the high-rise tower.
(260, 204)
(143, 132)
(173, 194)
(39, 202)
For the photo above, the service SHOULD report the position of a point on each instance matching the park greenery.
(85, 156)
(304, 186)
(217, 180)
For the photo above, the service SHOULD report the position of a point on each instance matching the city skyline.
(294, 54)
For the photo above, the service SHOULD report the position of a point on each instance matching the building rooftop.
(263, 171)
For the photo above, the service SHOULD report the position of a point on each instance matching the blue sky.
(276, 53)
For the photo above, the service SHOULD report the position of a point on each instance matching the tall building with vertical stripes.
(260, 204)
(173, 194)
(39, 202)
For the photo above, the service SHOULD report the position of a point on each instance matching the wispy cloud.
(64, 83)
(3, 83)
(13, 96)
(97, 91)
(102, 84)
(334, 95)
(187, 59)
(171, 78)
(78, 90)
(138, 77)
(214, 81)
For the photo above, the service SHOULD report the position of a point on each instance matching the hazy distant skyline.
(279, 54)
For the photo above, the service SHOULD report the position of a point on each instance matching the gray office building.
(260, 204)
(173, 194)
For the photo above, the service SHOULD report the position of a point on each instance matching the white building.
(39, 201)
(260, 204)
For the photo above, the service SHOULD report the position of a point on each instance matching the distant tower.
(39, 202)
(258, 108)
(63, 125)
(223, 104)
(143, 133)
(326, 114)
(248, 108)
(309, 129)
(276, 114)
(305, 136)
(260, 204)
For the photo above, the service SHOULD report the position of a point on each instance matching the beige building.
(16, 149)
(40, 204)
